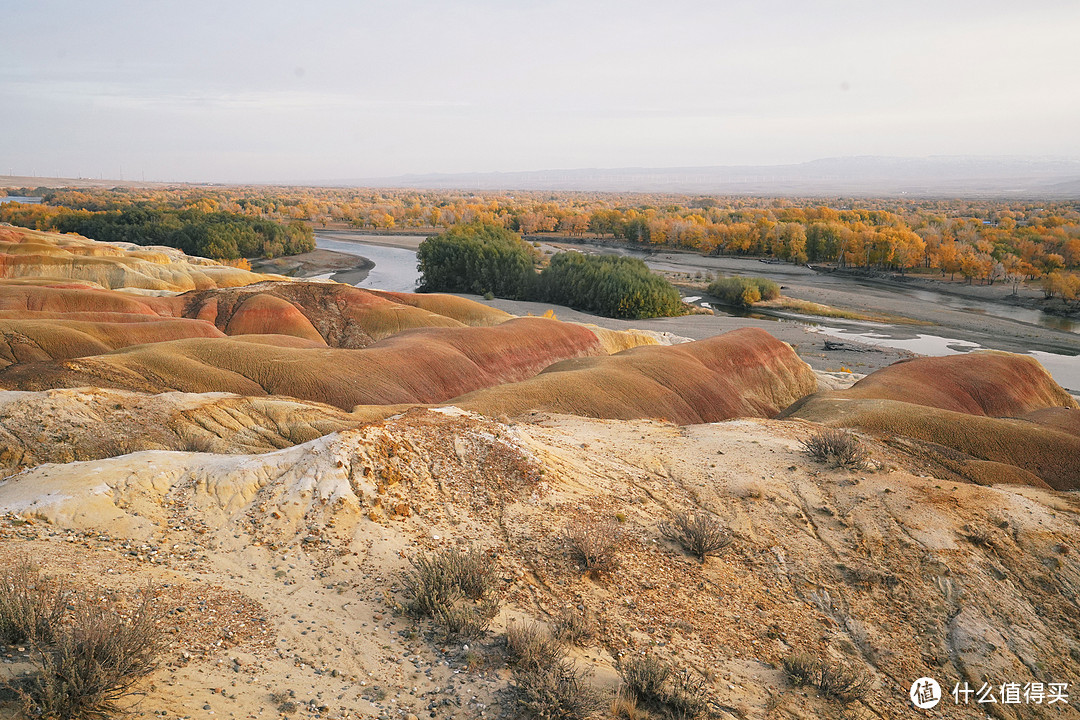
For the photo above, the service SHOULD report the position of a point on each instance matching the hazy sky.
(244, 90)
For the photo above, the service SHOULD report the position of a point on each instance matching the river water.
(395, 269)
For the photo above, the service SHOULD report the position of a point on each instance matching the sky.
(267, 91)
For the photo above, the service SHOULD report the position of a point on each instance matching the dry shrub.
(94, 660)
(576, 627)
(593, 545)
(841, 681)
(659, 687)
(31, 605)
(837, 447)
(455, 589)
(556, 692)
(687, 696)
(699, 534)
(531, 646)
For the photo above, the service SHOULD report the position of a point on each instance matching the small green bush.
(486, 259)
(609, 285)
(743, 291)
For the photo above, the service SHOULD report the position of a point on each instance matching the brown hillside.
(419, 366)
(23, 341)
(1064, 419)
(957, 412)
(996, 384)
(34, 254)
(743, 373)
(464, 311)
(342, 315)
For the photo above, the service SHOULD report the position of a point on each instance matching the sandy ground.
(279, 572)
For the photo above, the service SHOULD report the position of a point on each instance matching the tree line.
(986, 241)
(218, 235)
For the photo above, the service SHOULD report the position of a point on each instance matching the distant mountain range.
(950, 176)
(865, 176)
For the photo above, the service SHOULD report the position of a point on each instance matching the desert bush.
(31, 605)
(699, 534)
(473, 571)
(430, 584)
(658, 686)
(532, 646)
(455, 589)
(837, 447)
(645, 677)
(837, 680)
(575, 627)
(557, 692)
(743, 291)
(593, 545)
(94, 660)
